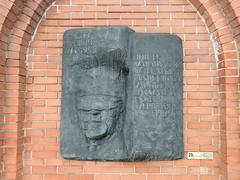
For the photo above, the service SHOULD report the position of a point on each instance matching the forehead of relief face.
(99, 81)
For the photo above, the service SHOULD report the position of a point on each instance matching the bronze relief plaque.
(122, 95)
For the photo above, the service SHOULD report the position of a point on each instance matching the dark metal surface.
(121, 95)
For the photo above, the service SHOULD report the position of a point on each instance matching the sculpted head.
(100, 99)
(100, 116)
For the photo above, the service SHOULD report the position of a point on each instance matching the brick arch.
(17, 32)
(18, 26)
(230, 10)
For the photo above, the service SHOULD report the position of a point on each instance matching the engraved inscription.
(154, 80)
(157, 97)
(82, 44)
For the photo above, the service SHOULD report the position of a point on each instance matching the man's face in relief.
(98, 115)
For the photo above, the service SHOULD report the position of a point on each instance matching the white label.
(200, 155)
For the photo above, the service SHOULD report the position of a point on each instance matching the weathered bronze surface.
(121, 95)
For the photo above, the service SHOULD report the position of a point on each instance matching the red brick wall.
(9, 11)
(201, 120)
(31, 85)
(231, 11)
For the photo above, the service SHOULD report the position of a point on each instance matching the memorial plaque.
(121, 95)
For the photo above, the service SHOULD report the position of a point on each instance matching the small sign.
(200, 155)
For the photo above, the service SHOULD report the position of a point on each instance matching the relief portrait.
(122, 95)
